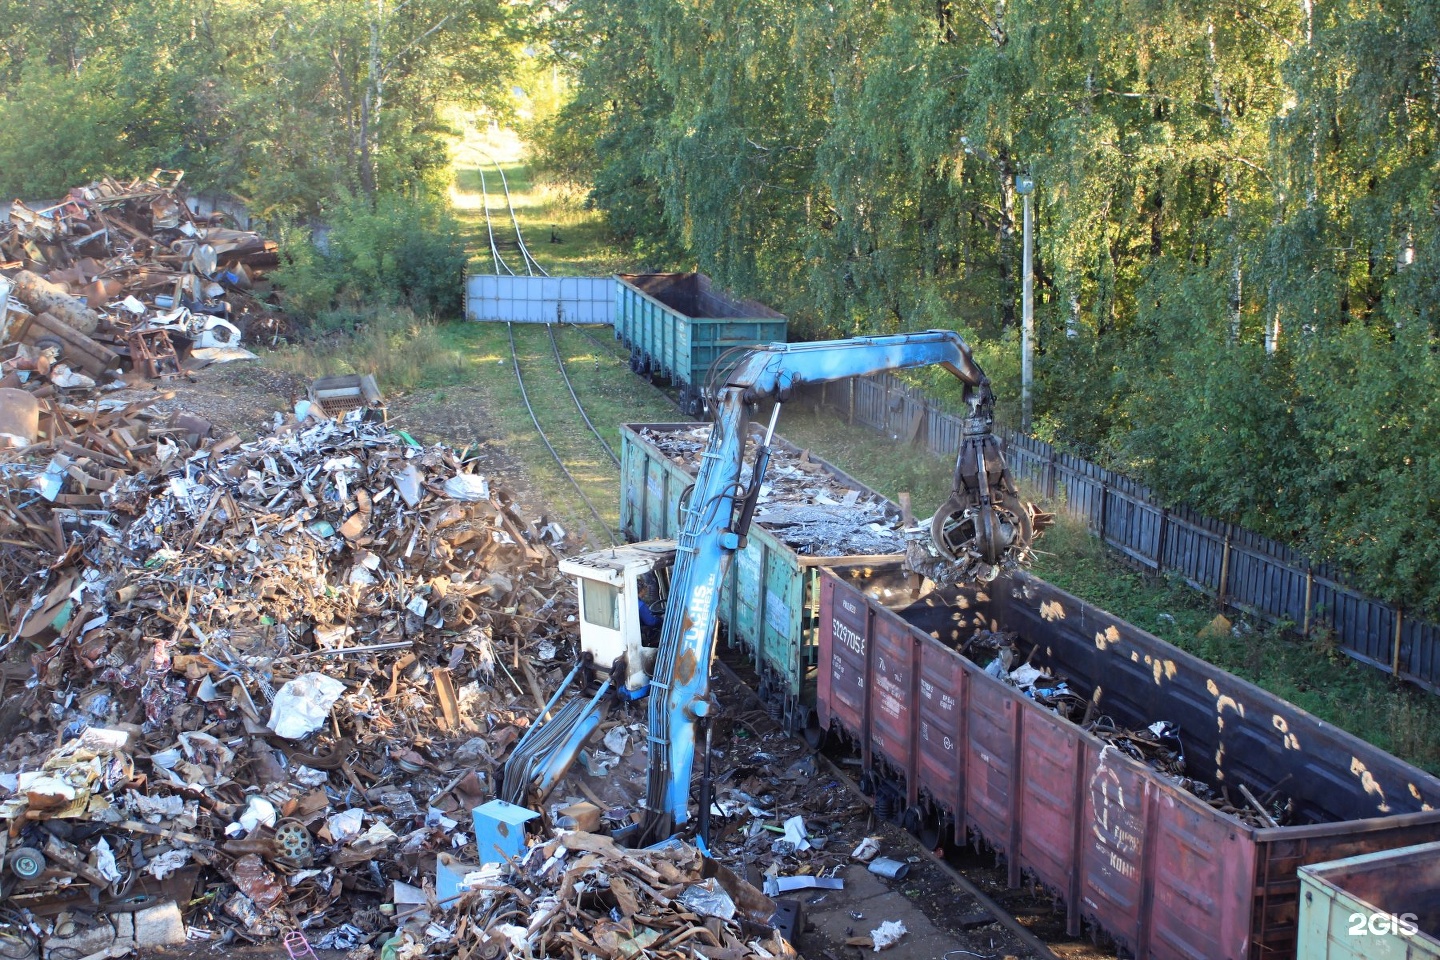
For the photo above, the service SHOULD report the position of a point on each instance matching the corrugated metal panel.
(892, 674)
(992, 719)
(540, 299)
(780, 627)
(844, 646)
(1051, 801)
(940, 760)
(1203, 876)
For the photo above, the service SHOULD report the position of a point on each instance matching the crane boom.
(983, 514)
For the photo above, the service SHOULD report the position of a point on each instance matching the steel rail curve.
(525, 396)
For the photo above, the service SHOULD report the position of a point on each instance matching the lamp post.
(1025, 186)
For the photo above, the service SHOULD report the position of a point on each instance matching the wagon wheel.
(815, 735)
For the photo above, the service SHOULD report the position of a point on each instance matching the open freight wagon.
(1377, 906)
(1124, 846)
(771, 594)
(677, 325)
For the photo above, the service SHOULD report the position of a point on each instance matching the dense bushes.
(400, 252)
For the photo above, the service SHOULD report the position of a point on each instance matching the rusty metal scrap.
(801, 502)
(115, 259)
(166, 593)
(1159, 744)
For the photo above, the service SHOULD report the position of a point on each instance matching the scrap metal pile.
(581, 895)
(259, 690)
(120, 276)
(801, 502)
(1157, 744)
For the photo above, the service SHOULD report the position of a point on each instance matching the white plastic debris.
(617, 740)
(105, 861)
(345, 825)
(164, 864)
(467, 486)
(887, 934)
(259, 812)
(303, 704)
(1024, 676)
(867, 850)
(795, 832)
(378, 834)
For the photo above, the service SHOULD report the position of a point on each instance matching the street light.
(1025, 186)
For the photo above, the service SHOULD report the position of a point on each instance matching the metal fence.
(1238, 567)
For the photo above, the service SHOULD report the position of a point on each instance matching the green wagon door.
(747, 585)
(780, 625)
(633, 462)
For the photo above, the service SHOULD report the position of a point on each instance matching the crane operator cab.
(622, 594)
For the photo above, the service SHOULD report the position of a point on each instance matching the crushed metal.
(123, 276)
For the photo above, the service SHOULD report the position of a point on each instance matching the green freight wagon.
(771, 597)
(1376, 906)
(677, 326)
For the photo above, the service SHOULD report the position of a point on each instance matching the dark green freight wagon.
(677, 326)
(811, 515)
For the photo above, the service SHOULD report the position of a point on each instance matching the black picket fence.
(1239, 568)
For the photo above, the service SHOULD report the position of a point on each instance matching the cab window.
(601, 603)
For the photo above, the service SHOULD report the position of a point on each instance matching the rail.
(525, 396)
(565, 375)
(490, 229)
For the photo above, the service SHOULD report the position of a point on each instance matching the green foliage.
(402, 350)
(400, 251)
(1237, 259)
(282, 102)
(59, 129)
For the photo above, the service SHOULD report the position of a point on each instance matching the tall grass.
(404, 351)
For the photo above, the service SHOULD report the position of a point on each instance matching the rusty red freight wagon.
(1121, 844)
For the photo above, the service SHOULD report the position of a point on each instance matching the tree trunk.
(1005, 243)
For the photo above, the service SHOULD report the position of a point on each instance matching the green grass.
(585, 248)
(404, 352)
(608, 390)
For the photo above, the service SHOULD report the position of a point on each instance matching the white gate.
(540, 299)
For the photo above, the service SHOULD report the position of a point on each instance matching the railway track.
(564, 462)
(545, 439)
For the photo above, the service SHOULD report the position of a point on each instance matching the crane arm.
(981, 514)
